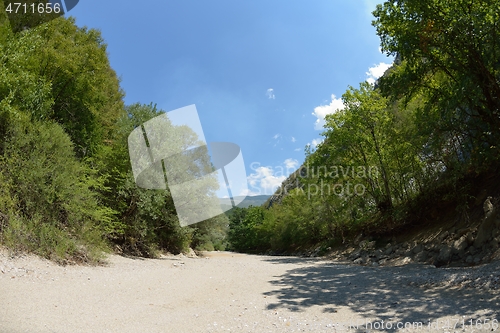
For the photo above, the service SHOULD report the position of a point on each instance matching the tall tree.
(84, 91)
(450, 51)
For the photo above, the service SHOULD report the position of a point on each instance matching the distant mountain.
(256, 200)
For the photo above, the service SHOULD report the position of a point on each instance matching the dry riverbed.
(228, 292)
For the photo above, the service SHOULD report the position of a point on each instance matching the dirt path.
(228, 292)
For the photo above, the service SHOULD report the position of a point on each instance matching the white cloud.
(321, 111)
(315, 142)
(265, 179)
(270, 93)
(291, 163)
(277, 139)
(293, 139)
(376, 71)
(297, 149)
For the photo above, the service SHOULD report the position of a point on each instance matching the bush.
(211, 234)
(246, 232)
(52, 210)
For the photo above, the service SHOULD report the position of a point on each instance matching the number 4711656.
(40, 8)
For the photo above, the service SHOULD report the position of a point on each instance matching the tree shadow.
(377, 293)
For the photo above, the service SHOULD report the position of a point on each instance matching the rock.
(316, 252)
(443, 236)
(355, 254)
(472, 250)
(379, 254)
(469, 259)
(421, 256)
(191, 254)
(408, 253)
(488, 207)
(462, 232)
(459, 246)
(389, 250)
(484, 233)
(374, 264)
(358, 261)
(444, 254)
(417, 249)
(470, 238)
(430, 248)
(477, 259)
(406, 260)
(366, 245)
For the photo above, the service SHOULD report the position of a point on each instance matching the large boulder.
(444, 254)
(459, 246)
(485, 231)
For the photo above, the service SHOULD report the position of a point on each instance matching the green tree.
(245, 229)
(47, 195)
(150, 218)
(357, 142)
(70, 65)
(449, 52)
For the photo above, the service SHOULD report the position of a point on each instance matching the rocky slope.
(442, 246)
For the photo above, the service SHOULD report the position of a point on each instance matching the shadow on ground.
(377, 293)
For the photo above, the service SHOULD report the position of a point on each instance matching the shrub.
(51, 207)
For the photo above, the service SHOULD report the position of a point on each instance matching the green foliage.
(5, 29)
(149, 216)
(449, 52)
(211, 234)
(429, 123)
(295, 223)
(245, 226)
(67, 189)
(61, 72)
(52, 210)
(150, 220)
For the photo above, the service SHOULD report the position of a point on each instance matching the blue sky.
(262, 74)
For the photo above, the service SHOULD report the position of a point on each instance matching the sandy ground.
(227, 292)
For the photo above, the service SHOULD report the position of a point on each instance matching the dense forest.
(417, 139)
(425, 130)
(66, 186)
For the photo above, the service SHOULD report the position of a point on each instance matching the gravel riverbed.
(228, 292)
